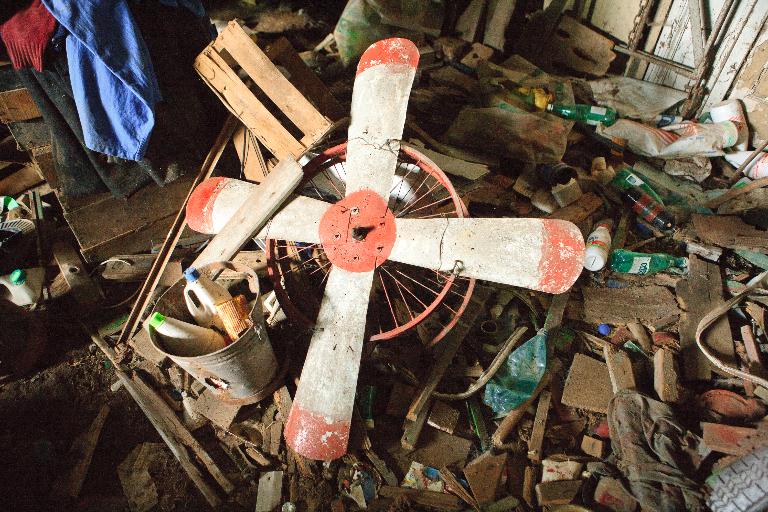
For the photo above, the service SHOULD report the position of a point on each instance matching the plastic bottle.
(585, 113)
(23, 286)
(185, 339)
(644, 205)
(625, 179)
(598, 246)
(202, 295)
(628, 262)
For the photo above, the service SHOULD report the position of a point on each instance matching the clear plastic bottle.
(598, 246)
(585, 113)
(185, 339)
(22, 286)
(628, 262)
(202, 295)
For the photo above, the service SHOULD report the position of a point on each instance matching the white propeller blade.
(320, 418)
(357, 234)
(379, 103)
(539, 254)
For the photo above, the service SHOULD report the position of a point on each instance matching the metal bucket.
(241, 373)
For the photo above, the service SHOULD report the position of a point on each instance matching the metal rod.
(678, 68)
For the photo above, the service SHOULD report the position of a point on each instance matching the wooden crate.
(275, 111)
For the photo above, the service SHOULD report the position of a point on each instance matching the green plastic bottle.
(585, 113)
(628, 262)
(626, 178)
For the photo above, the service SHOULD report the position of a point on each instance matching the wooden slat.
(21, 180)
(246, 107)
(269, 79)
(17, 105)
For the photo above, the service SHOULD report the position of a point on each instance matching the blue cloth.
(113, 81)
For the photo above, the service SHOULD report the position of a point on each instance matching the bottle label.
(595, 241)
(598, 111)
(640, 265)
(633, 180)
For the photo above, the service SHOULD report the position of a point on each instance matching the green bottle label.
(640, 265)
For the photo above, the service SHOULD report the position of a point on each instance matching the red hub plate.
(358, 232)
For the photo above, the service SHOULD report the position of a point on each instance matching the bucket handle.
(250, 274)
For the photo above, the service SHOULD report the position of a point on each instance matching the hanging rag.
(26, 35)
(113, 81)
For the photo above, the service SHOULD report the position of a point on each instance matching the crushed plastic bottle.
(518, 377)
(628, 262)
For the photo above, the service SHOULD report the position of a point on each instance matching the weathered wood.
(593, 446)
(269, 494)
(618, 306)
(665, 379)
(588, 385)
(575, 46)
(726, 438)
(579, 211)
(560, 492)
(443, 417)
(431, 499)
(699, 294)
(23, 179)
(83, 289)
(729, 231)
(282, 53)
(484, 476)
(69, 484)
(254, 167)
(638, 331)
(17, 105)
(536, 442)
(269, 79)
(619, 368)
(130, 268)
(253, 215)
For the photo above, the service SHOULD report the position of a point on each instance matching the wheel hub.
(358, 232)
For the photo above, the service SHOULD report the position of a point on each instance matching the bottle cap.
(156, 320)
(594, 261)
(604, 329)
(191, 274)
(18, 277)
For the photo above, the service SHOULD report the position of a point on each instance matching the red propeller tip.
(313, 437)
(562, 256)
(200, 204)
(389, 51)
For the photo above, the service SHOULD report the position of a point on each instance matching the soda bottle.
(626, 179)
(628, 262)
(644, 205)
(598, 245)
(585, 113)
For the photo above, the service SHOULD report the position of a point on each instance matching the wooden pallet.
(274, 110)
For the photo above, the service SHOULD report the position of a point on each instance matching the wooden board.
(729, 231)
(81, 287)
(580, 210)
(131, 224)
(265, 200)
(17, 105)
(20, 181)
(575, 46)
(618, 306)
(536, 442)
(282, 53)
(588, 385)
(701, 292)
(430, 499)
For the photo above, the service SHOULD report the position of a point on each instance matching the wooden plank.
(20, 181)
(270, 494)
(484, 476)
(254, 167)
(282, 53)
(619, 368)
(263, 203)
(30, 134)
(536, 442)
(17, 105)
(699, 294)
(588, 385)
(575, 46)
(726, 438)
(559, 492)
(431, 499)
(580, 210)
(269, 79)
(69, 484)
(131, 268)
(83, 289)
(618, 306)
(729, 231)
(665, 379)
(245, 106)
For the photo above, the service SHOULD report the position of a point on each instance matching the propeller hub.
(358, 232)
